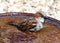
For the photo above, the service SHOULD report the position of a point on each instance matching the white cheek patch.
(39, 25)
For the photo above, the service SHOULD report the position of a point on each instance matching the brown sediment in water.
(49, 34)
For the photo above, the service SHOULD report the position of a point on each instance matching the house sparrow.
(32, 24)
